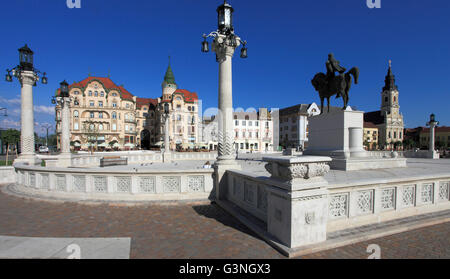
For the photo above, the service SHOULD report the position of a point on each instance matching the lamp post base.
(28, 159)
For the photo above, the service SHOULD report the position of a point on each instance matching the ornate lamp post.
(165, 113)
(224, 44)
(432, 123)
(28, 76)
(64, 100)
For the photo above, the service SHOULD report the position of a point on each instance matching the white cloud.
(45, 109)
(10, 124)
(10, 102)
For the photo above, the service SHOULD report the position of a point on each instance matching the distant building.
(293, 124)
(442, 137)
(370, 138)
(388, 120)
(253, 131)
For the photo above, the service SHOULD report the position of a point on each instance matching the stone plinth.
(297, 204)
(339, 134)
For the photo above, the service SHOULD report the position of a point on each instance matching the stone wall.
(73, 184)
(7, 175)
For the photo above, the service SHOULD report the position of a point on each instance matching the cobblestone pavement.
(188, 231)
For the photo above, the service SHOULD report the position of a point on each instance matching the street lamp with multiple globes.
(64, 100)
(432, 123)
(224, 43)
(28, 76)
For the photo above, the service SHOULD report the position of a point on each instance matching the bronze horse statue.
(330, 85)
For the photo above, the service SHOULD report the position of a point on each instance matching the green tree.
(10, 137)
(91, 133)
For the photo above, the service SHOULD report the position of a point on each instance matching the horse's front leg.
(328, 101)
(321, 105)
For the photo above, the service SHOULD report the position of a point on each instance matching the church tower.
(389, 96)
(168, 86)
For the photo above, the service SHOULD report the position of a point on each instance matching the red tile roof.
(370, 125)
(145, 101)
(189, 97)
(443, 129)
(107, 83)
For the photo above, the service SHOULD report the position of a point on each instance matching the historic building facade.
(388, 120)
(253, 131)
(108, 116)
(442, 137)
(294, 124)
(370, 136)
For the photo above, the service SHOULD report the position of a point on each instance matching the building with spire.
(108, 116)
(388, 120)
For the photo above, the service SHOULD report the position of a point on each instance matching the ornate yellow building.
(108, 116)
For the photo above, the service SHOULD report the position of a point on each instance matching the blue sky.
(288, 43)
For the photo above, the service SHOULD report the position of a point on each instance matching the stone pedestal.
(297, 210)
(167, 156)
(64, 160)
(339, 134)
(221, 179)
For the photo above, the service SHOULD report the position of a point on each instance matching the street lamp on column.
(28, 76)
(165, 117)
(432, 123)
(64, 100)
(224, 43)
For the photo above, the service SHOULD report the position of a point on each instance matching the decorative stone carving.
(147, 184)
(262, 198)
(310, 218)
(408, 195)
(61, 183)
(171, 184)
(365, 202)
(123, 184)
(196, 183)
(388, 198)
(32, 176)
(444, 191)
(303, 167)
(79, 183)
(338, 205)
(45, 181)
(427, 193)
(100, 184)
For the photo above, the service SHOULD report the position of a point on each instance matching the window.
(193, 108)
(242, 146)
(91, 115)
(267, 125)
(75, 126)
(257, 134)
(75, 114)
(100, 127)
(114, 94)
(395, 135)
(126, 128)
(100, 115)
(189, 108)
(235, 117)
(114, 127)
(90, 93)
(102, 94)
(91, 103)
(237, 134)
(389, 136)
(243, 123)
(100, 104)
(114, 105)
(127, 105)
(250, 134)
(250, 123)
(96, 94)
(236, 123)
(256, 123)
(114, 115)
(179, 117)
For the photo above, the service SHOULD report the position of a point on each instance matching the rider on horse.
(333, 66)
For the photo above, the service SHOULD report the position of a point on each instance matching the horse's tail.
(355, 73)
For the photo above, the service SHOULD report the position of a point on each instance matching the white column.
(356, 142)
(166, 135)
(432, 127)
(28, 155)
(65, 127)
(224, 54)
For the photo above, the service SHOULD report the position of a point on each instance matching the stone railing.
(298, 206)
(7, 175)
(87, 184)
(134, 157)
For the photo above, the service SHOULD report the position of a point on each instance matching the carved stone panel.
(171, 184)
(196, 183)
(100, 184)
(147, 184)
(123, 184)
(338, 206)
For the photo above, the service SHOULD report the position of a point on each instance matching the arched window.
(247, 117)
(100, 127)
(75, 114)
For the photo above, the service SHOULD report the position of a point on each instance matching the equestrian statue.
(329, 84)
